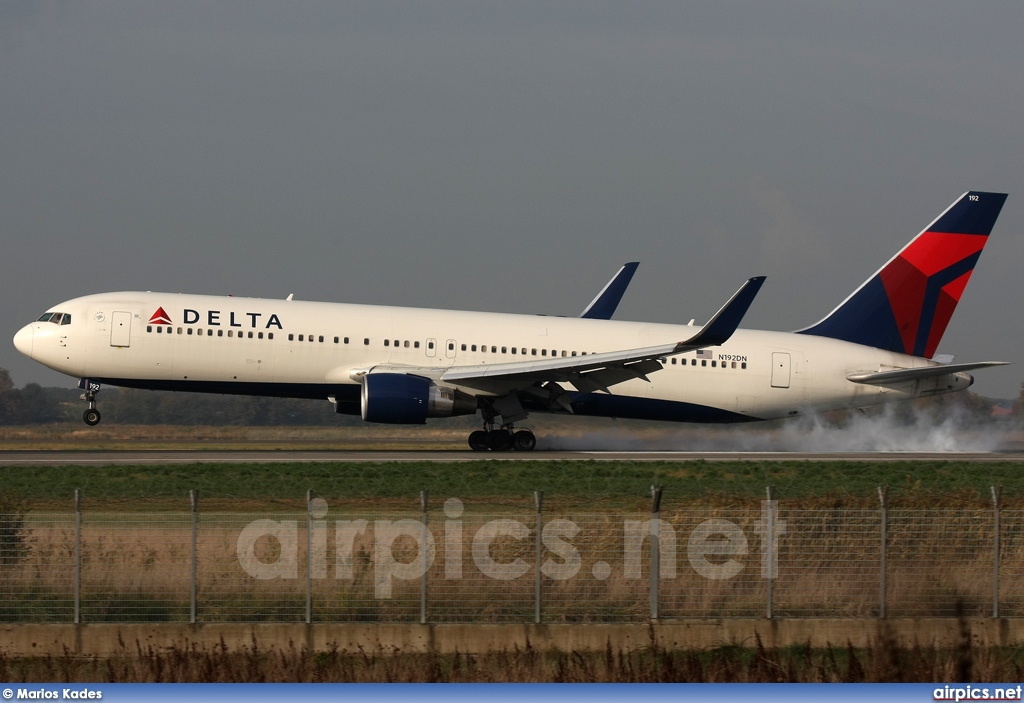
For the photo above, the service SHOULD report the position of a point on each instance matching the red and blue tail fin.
(907, 304)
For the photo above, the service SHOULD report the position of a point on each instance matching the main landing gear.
(503, 439)
(91, 415)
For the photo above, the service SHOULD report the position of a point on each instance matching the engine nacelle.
(405, 399)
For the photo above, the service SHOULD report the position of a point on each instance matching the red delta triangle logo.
(160, 318)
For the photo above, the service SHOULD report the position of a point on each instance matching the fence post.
(770, 551)
(538, 499)
(309, 555)
(655, 548)
(424, 496)
(78, 555)
(193, 496)
(997, 495)
(883, 499)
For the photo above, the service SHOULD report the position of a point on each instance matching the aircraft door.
(431, 348)
(449, 348)
(780, 369)
(120, 329)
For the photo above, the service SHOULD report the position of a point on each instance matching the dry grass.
(882, 661)
(136, 567)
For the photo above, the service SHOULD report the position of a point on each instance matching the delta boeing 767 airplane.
(404, 365)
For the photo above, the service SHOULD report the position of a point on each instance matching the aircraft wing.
(904, 375)
(602, 307)
(593, 372)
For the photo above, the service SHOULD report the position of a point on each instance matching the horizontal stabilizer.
(904, 375)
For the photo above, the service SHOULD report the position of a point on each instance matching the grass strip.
(624, 483)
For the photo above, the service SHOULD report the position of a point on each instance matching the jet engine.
(405, 399)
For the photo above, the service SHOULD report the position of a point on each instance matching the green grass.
(563, 482)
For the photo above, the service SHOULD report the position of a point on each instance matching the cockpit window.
(57, 318)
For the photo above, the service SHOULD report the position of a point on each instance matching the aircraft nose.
(23, 340)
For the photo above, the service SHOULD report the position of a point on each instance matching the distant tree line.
(33, 404)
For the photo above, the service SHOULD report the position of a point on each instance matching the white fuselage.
(316, 350)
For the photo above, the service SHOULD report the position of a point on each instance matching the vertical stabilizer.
(907, 304)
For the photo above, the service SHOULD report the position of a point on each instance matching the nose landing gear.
(91, 415)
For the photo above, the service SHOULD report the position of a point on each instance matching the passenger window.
(321, 339)
(463, 347)
(220, 333)
(346, 340)
(387, 342)
(483, 348)
(310, 338)
(703, 362)
(250, 335)
(743, 364)
(366, 341)
(416, 345)
(513, 350)
(543, 352)
(563, 353)
(149, 328)
(159, 330)
(406, 344)
(574, 353)
(179, 330)
(734, 364)
(494, 349)
(474, 347)
(189, 331)
(504, 350)
(260, 335)
(673, 361)
(231, 333)
(533, 352)
(714, 364)
(693, 362)
(270, 335)
(302, 338)
(291, 337)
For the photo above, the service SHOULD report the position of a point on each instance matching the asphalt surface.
(157, 457)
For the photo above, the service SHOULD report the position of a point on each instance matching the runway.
(168, 457)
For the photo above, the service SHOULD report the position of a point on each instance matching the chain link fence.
(448, 563)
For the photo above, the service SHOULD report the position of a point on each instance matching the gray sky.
(506, 156)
